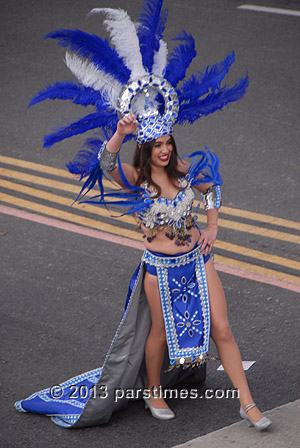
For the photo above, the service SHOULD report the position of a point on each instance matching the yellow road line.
(286, 262)
(96, 210)
(37, 180)
(232, 225)
(239, 213)
(50, 211)
(36, 167)
(261, 218)
(45, 169)
(71, 217)
(257, 269)
(226, 210)
(255, 230)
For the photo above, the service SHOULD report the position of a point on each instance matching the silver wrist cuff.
(212, 197)
(107, 160)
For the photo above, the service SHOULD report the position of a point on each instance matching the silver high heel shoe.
(160, 413)
(262, 424)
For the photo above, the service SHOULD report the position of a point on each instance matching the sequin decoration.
(212, 197)
(185, 305)
(184, 289)
(188, 324)
(139, 97)
(172, 214)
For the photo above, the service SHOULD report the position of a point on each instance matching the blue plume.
(67, 90)
(128, 186)
(195, 109)
(211, 173)
(196, 167)
(92, 121)
(152, 25)
(207, 166)
(200, 84)
(93, 48)
(86, 163)
(133, 205)
(86, 160)
(134, 201)
(96, 175)
(180, 58)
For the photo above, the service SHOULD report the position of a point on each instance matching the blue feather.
(196, 166)
(96, 175)
(66, 90)
(119, 194)
(86, 123)
(93, 48)
(133, 201)
(133, 206)
(129, 202)
(86, 160)
(180, 59)
(207, 167)
(212, 174)
(152, 25)
(128, 186)
(195, 109)
(86, 163)
(200, 84)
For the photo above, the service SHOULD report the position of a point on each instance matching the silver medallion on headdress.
(141, 97)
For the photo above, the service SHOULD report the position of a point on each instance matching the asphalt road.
(62, 293)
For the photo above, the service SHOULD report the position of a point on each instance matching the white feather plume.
(160, 59)
(124, 37)
(90, 76)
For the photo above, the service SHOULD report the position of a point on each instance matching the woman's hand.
(208, 237)
(127, 125)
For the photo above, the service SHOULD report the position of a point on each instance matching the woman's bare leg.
(224, 340)
(156, 341)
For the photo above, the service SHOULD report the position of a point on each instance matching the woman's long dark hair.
(142, 163)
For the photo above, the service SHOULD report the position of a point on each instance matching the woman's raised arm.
(127, 125)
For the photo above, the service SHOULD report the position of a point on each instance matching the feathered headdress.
(134, 76)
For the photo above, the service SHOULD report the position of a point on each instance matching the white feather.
(124, 37)
(90, 76)
(160, 59)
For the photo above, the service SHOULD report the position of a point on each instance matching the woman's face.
(161, 151)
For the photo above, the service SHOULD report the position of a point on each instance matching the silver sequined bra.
(173, 215)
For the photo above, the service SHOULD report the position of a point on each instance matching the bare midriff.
(161, 243)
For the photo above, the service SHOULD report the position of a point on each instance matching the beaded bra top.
(172, 214)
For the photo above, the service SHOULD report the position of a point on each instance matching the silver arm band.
(212, 197)
(107, 160)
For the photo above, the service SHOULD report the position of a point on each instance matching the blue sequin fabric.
(185, 305)
(152, 128)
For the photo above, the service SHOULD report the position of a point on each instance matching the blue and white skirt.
(185, 304)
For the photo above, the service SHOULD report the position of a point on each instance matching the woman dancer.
(175, 297)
